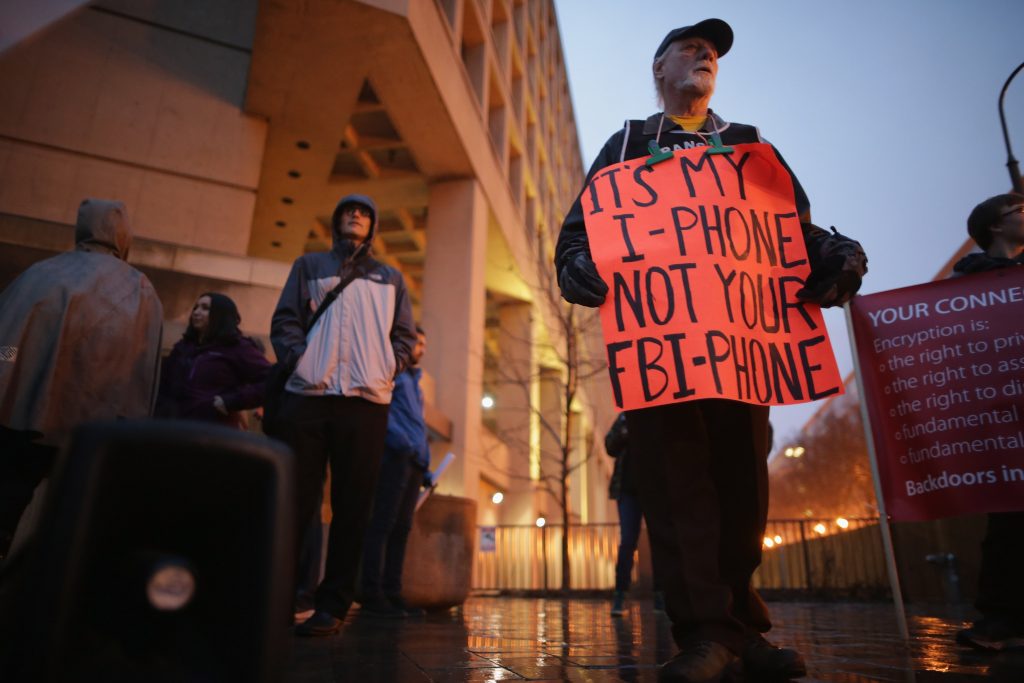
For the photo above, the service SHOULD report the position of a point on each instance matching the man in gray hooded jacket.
(79, 341)
(336, 401)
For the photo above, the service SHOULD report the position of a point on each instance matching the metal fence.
(842, 556)
(530, 558)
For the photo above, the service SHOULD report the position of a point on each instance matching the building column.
(552, 389)
(517, 394)
(453, 318)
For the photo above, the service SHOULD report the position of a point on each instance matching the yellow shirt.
(689, 123)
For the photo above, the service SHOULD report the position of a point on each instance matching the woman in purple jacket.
(213, 372)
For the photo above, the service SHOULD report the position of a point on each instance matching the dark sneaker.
(618, 604)
(399, 603)
(993, 635)
(762, 660)
(703, 662)
(320, 624)
(659, 602)
(381, 608)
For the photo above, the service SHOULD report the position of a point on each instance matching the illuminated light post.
(541, 522)
(820, 528)
(842, 522)
(794, 451)
(768, 542)
(497, 498)
(487, 402)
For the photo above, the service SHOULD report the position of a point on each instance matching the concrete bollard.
(438, 570)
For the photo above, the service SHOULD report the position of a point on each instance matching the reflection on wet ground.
(499, 639)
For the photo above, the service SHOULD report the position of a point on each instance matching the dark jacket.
(631, 142)
(80, 333)
(616, 444)
(193, 374)
(980, 262)
(407, 427)
(363, 340)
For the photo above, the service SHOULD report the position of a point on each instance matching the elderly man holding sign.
(693, 237)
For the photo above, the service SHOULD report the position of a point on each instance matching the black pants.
(702, 474)
(23, 466)
(348, 433)
(630, 516)
(398, 488)
(1000, 591)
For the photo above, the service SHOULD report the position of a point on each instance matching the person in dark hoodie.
(213, 372)
(997, 226)
(79, 341)
(335, 407)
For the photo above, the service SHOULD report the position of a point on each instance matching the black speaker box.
(164, 553)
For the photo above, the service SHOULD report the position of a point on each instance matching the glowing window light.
(820, 528)
(842, 522)
(497, 498)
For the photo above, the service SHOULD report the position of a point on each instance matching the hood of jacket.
(343, 245)
(102, 226)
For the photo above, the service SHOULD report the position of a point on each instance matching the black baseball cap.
(715, 30)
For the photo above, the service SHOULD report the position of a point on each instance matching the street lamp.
(842, 522)
(487, 402)
(497, 498)
(794, 451)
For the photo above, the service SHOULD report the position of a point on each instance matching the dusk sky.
(886, 111)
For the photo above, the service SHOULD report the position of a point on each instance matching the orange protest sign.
(703, 256)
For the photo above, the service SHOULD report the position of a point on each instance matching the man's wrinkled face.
(356, 220)
(688, 65)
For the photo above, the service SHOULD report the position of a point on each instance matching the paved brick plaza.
(499, 639)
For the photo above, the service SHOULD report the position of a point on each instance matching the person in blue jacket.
(404, 468)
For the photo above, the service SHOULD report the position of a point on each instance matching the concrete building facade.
(231, 128)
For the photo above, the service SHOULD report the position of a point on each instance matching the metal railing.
(530, 558)
(842, 556)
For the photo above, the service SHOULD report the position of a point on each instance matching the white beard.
(699, 82)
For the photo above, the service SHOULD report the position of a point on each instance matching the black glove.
(837, 265)
(580, 283)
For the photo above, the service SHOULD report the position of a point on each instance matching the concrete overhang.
(352, 106)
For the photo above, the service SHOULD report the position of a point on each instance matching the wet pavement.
(506, 639)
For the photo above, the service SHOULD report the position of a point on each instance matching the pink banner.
(943, 371)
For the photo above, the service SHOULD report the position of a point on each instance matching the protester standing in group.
(404, 469)
(997, 226)
(701, 465)
(335, 407)
(622, 489)
(79, 341)
(213, 372)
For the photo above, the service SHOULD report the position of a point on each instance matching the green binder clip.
(657, 156)
(717, 147)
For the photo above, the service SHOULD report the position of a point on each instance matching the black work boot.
(764, 661)
(320, 624)
(702, 662)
